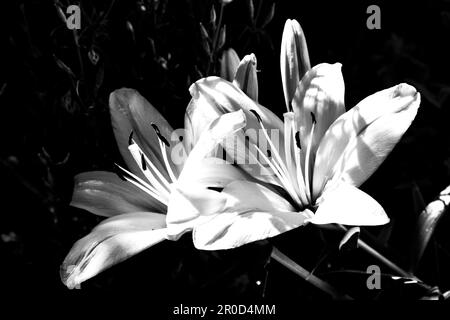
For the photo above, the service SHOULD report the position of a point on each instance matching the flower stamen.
(161, 185)
(163, 145)
(308, 173)
(141, 184)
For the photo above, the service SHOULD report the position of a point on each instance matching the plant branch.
(371, 251)
(216, 37)
(307, 276)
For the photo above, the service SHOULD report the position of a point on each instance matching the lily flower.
(161, 194)
(318, 158)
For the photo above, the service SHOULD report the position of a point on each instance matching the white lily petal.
(215, 173)
(187, 203)
(251, 212)
(365, 154)
(230, 230)
(105, 194)
(364, 136)
(213, 96)
(218, 129)
(111, 242)
(246, 195)
(130, 111)
(320, 98)
(348, 205)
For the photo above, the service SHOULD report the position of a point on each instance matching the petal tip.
(69, 275)
(404, 90)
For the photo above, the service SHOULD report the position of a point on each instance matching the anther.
(218, 189)
(269, 154)
(256, 115)
(160, 136)
(313, 118)
(143, 162)
(130, 138)
(297, 140)
(118, 172)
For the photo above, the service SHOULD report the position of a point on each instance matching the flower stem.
(307, 276)
(216, 38)
(371, 251)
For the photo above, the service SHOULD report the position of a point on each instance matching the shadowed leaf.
(426, 224)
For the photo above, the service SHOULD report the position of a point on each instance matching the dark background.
(55, 123)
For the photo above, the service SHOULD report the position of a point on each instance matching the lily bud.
(229, 64)
(246, 78)
(294, 59)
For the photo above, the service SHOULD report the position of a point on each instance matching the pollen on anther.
(160, 136)
(130, 138)
(313, 118)
(143, 162)
(118, 173)
(256, 115)
(297, 139)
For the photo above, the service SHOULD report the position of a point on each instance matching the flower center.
(295, 172)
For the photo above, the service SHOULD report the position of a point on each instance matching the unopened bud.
(246, 78)
(294, 59)
(229, 64)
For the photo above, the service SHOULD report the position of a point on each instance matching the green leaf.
(426, 224)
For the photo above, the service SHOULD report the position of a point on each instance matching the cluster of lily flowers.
(177, 181)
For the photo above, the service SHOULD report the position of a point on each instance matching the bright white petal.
(348, 205)
(111, 242)
(246, 195)
(358, 142)
(212, 136)
(232, 229)
(214, 173)
(213, 96)
(320, 94)
(189, 201)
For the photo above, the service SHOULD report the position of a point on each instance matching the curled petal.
(187, 203)
(319, 99)
(111, 242)
(294, 59)
(229, 64)
(348, 205)
(105, 194)
(246, 78)
(359, 141)
(132, 112)
(188, 199)
(218, 129)
(213, 96)
(214, 173)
